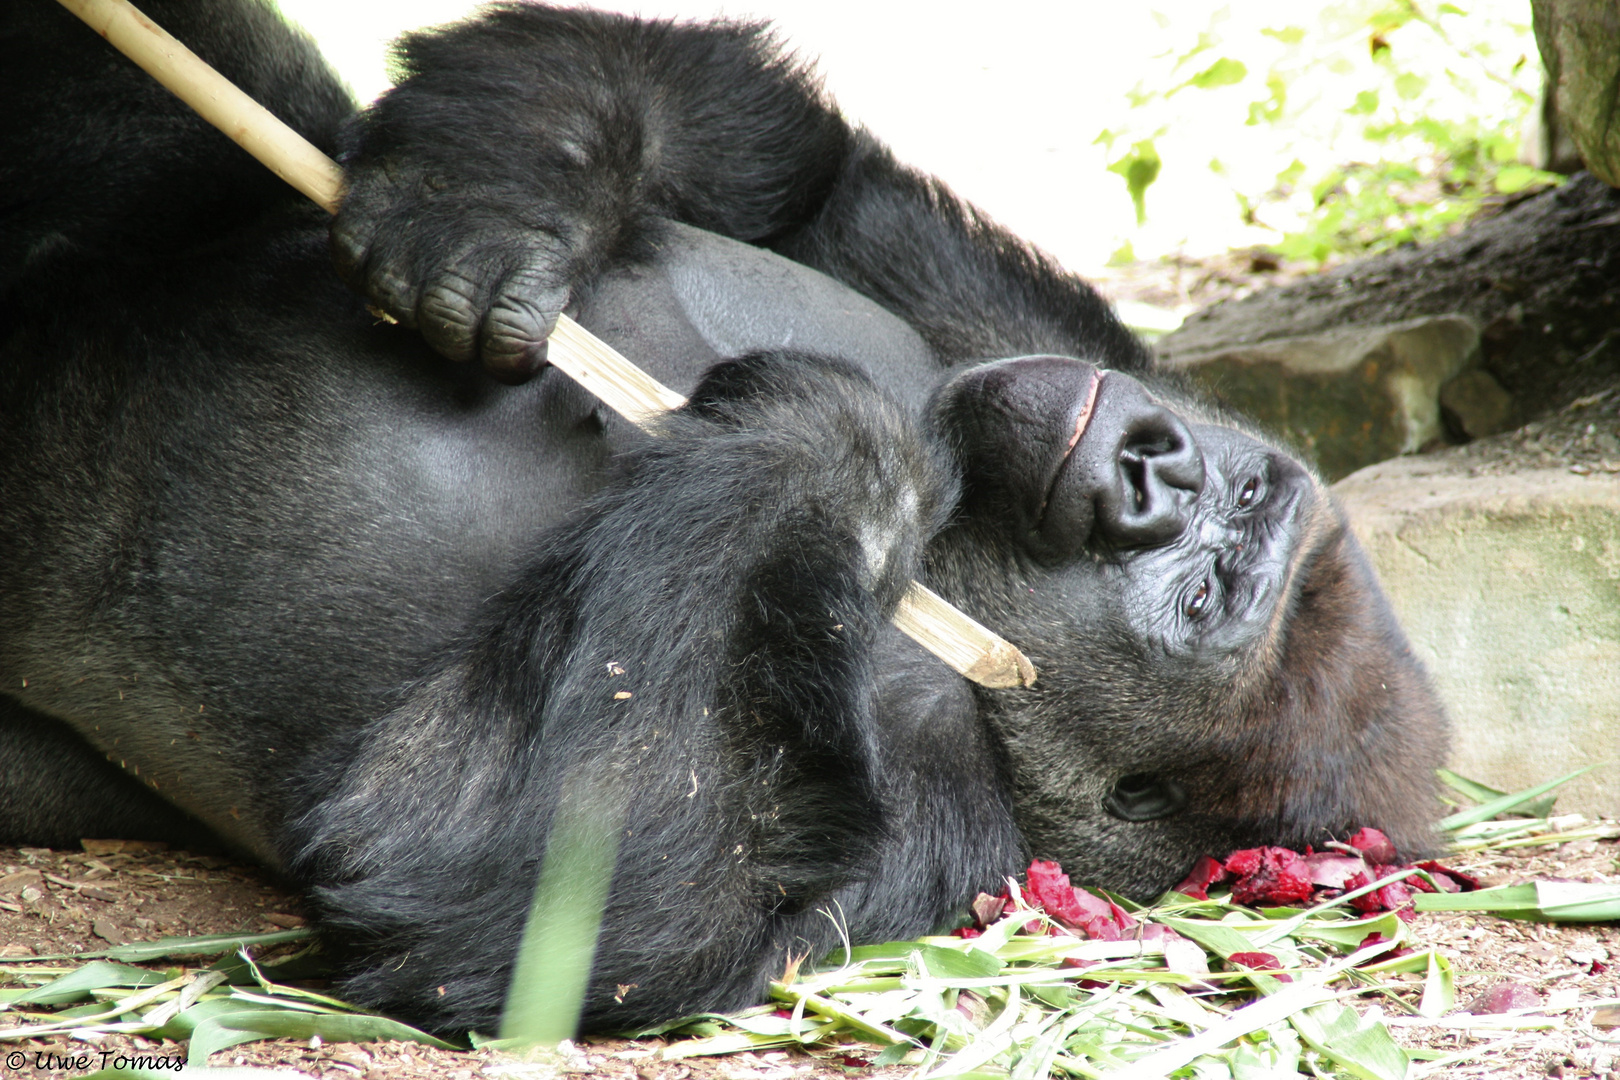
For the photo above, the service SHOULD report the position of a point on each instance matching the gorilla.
(365, 600)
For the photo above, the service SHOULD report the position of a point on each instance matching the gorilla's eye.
(1198, 601)
(1251, 490)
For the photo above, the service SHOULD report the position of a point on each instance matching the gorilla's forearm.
(524, 152)
(727, 701)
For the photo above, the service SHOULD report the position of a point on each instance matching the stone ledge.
(1509, 586)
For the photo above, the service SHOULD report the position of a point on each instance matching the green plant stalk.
(553, 967)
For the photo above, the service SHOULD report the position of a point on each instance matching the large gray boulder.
(1509, 585)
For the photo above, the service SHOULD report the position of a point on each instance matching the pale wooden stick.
(964, 644)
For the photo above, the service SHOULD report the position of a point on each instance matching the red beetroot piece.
(1269, 875)
(1205, 872)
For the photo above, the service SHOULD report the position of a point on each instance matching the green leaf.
(207, 945)
(183, 1023)
(1578, 901)
(1391, 18)
(97, 975)
(1557, 901)
(554, 957)
(229, 1029)
(1216, 937)
(1502, 900)
(1349, 935)
(1139, 168)
(938, 963)
(1366, 104)
(1485, 811)
(1269, 110)
(1479, 793)
(891, 1054)
(1288, 35)
(1223, 72)
(1439, 987)
(1364, 1050)
(1409, 85)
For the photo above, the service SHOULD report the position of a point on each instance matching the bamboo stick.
(968, 647)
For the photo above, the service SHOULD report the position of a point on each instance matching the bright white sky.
(1003, 100)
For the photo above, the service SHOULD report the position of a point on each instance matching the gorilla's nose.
(1140, 463)
(1064, 454)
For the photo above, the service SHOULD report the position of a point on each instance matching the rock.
(1509, 587)
(1543, 278)
(108, 931)
(1478, 405)
(1505, 997)
(1580, 49)
(13, 884)
(1348, 397)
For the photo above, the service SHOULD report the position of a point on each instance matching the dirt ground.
(63, 901)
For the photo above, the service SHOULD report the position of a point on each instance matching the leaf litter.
(1269, 963)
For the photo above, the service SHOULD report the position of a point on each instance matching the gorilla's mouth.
(1082, 418)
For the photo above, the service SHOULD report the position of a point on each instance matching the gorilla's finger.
(350, 238)
(451, 310)
(376, 261)
(393, 291)
(524, 312)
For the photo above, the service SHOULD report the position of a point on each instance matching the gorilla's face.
(1216, 663)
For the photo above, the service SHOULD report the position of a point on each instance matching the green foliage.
(1409, 113)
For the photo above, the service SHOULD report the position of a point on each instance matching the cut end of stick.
(971, 649)
(1003, 667)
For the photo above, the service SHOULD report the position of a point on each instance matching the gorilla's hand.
(480, 273)
(524, 151)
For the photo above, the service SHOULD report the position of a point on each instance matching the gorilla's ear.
(1145, 797)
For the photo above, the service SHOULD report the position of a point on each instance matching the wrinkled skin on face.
(1217, 665)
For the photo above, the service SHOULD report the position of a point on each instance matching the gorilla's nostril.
(1159, 470)
(1160, 447)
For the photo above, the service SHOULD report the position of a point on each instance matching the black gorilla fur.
(364, 615)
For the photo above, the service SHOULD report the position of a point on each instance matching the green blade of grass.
(229, 1029)
(97, 975)
(553, 967)
(1554, 901)
(1480, 793)
(1487, 810)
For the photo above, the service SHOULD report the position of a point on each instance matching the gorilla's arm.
(72, 105)
(698, 644)
(527, 150)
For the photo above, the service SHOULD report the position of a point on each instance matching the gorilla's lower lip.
(1081, 420)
